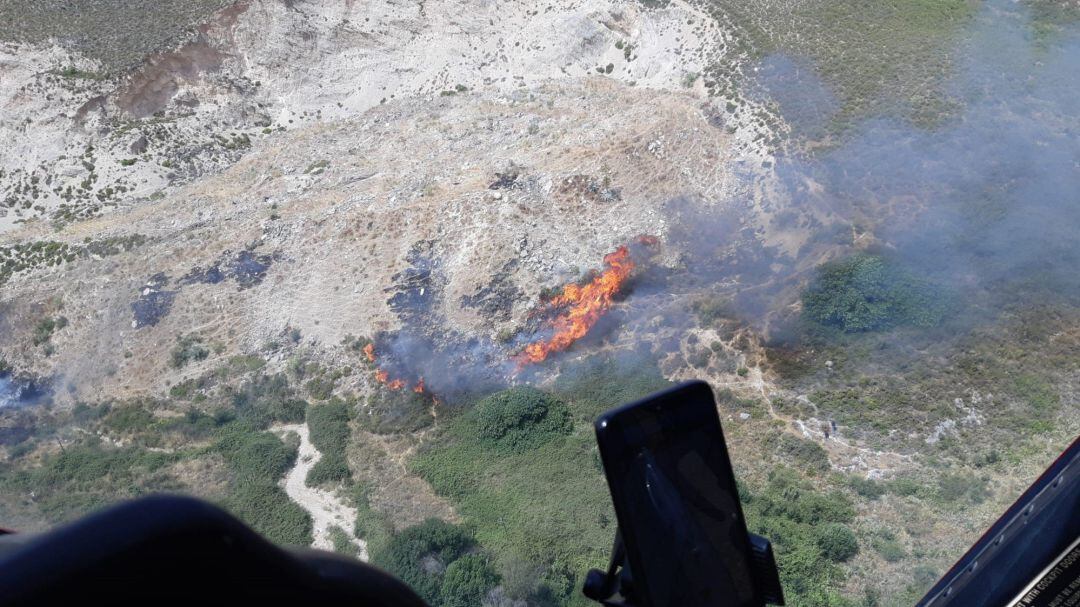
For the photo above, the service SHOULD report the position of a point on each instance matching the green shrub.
(837, 542)
(257, 460)
(328, 470)
(790, 497)
(807, 453)
(269, 511)
(329, 428)
(88, 476)
(128, 419)
(520, 419)
(188, 348)
(372, 526)
(963, 486)
(466, 581)
(319, 388)
(391, 412)
(865, 487)
(268, 398)
(45, 328)
(710, 309)
(435, 541)
(602, 382)
(341, 542)
(254, 455)
(802, 524)
(868, 293)
(889, 549)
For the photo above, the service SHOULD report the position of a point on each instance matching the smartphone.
(676, 501)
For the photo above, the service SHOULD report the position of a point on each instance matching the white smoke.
(10, 392)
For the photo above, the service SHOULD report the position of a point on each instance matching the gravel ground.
(326, 509)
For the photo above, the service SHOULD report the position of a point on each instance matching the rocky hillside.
(232, 232)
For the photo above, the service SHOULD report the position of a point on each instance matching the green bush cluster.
(809, 532)
(837, 542)
(869, 293)
(341, 542)
(188, 348)
(602, 382)
(329, 428)
(88, 476)
(889, 548)
(426, 557)
(44, 329)
(520, 419)
(256, 461)
(541, 546)
(372, 526)
(265, 399)
(392, 412)
(963, 486)
(808, 454)
(466, 581)
(320, 388)
(710, 309)
(23, 257)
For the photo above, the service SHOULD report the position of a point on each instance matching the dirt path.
(327, 510)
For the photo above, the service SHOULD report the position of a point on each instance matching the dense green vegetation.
(44, 329)
(329, 428)
(870, 293)
(17, 258)
(541, 546)
(891, 58)
(116, 32)
(372, 526)
(265, 399)
(519, 419)
(396, 411)
(435, 558)
(88, 476)
(466, 581)
(809, 533)
(257, 460)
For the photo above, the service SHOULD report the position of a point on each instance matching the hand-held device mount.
(682, 539)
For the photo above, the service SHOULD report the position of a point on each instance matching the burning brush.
(454, 363)
(578, 306)
(383, 376)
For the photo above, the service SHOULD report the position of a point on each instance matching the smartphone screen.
(676, 500)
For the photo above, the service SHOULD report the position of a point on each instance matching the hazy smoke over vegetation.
(986, 201)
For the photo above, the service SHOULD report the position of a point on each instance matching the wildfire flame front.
(583, 305)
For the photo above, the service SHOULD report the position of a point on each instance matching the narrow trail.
(327, 509)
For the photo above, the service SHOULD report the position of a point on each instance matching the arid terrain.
(226, 224)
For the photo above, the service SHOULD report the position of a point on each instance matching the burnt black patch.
(248, 269)
(495, 300)
(20, 391)
(418, 288)
(154, 302)
(207, 276)
(245, 268)
(505, 181)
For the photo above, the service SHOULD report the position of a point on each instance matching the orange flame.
(584, 304)
(383, 376)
